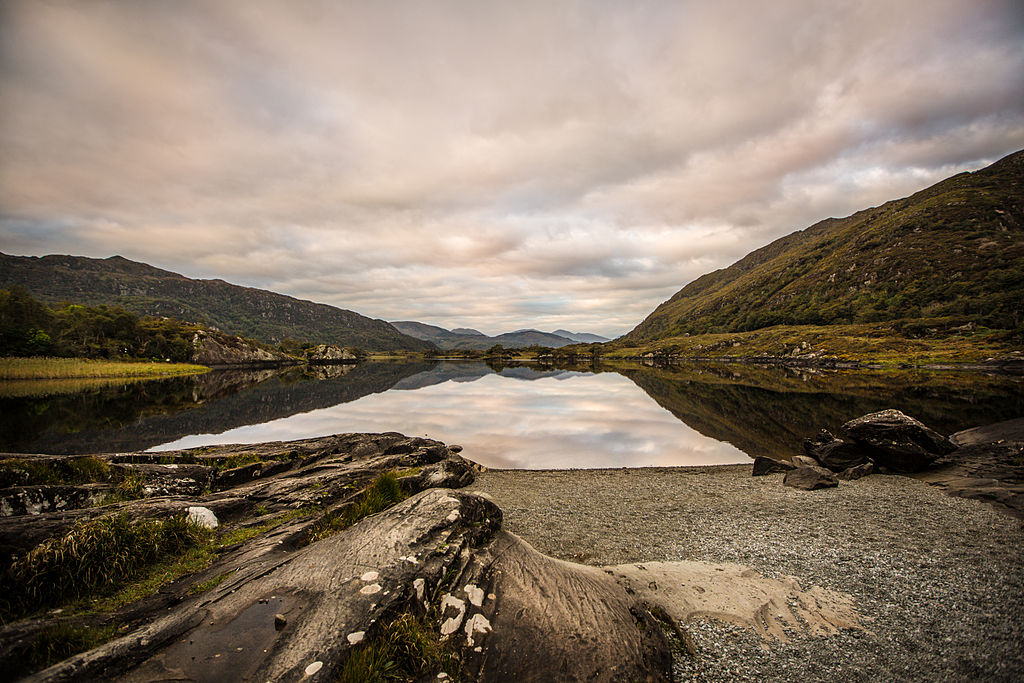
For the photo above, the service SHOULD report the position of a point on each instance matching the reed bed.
(80, 368)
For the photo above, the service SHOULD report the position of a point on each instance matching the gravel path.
(938, 580)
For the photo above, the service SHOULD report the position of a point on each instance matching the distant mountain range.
(145, 290)
(954, 250)
(469, 339)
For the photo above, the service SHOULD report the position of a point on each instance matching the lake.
(505, 416)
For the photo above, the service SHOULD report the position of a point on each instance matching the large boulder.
(896, 441)
(810, 478)
(834, 454)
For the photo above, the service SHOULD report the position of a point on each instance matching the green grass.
(384, 492)
(57, 643)
(84, 470)
(875, 342)
(95, 556)
(68, 368)
(212, 583)
(406, 649)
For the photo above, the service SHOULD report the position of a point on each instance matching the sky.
(496, 165)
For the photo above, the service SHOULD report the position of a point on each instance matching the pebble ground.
(938, 581)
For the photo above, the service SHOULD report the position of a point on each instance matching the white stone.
(313, 668)
(453, 516)
(476, 595)
(356, 637)
(419, 584)
(449, 626)
(204, 517)
(371, 589)
(369, 576)
(477, 624)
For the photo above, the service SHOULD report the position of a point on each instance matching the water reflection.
(558, 420)
(513, 416)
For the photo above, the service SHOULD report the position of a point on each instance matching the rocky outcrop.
(897, 441)
(327, 353)
(988, 465)
(306, 593)
(216, 348)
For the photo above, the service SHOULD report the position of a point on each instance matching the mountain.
(464, 338)
(245, 311)
(468, 330)
(581, 337)
(955, 249)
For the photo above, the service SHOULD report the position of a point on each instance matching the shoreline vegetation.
(44, 368)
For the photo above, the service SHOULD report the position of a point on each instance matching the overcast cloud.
(488, 164)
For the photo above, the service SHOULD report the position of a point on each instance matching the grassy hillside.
(953, 253)
(244, 311)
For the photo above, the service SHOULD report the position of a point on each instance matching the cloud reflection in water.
(572, 421)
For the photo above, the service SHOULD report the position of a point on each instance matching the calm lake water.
(508, 417)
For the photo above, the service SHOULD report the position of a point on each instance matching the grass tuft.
(384, 492)
(84, 470)
(406, 649)
(101, 554)
(57, 643)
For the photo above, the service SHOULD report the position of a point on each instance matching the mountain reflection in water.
(509, 416)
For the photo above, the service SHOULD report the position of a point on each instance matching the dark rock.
(455, 448)
(897, 441)
(857, 472)
(763, 465)
(834, 454)
(279, 619)
(810, 478)
(805, 461)
(168, 479)
(246, 473)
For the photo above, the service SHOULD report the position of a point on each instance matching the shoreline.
(935, 578)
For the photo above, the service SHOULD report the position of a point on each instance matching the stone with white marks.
(451, 625)
(476, 594)
(478, 623)
(204, 517)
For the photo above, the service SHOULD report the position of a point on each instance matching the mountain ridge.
(452, 340)
(245, 311)
(955, 248)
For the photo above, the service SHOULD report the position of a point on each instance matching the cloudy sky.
(488, 164)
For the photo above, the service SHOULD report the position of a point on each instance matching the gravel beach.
(938, 581)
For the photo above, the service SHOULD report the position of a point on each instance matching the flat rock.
(764, 465)
(810, 478)
(857, 472)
